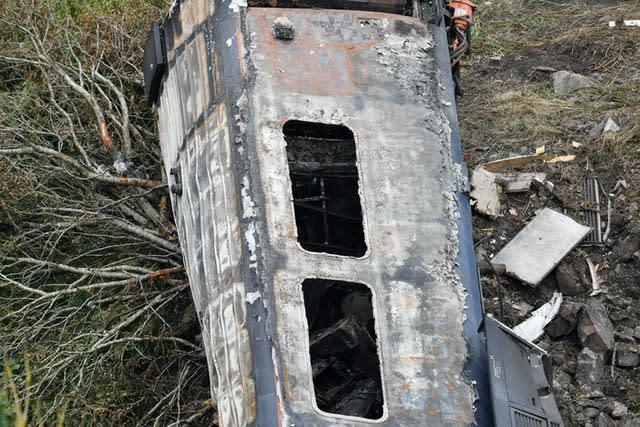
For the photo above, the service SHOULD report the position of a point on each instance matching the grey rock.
(604, 420)
(625, 336)
(591, 412)
(606, 127)
(571, 278)
(565, 322)
(595, 330)
(636, 332)
(610, 126)
(561, 379)
(557, 358)
(573, 125)
(628, 247)
(618, 410)
(590, 369)
(565, 82)
(627, 359)
(522, 308)
(633, 422)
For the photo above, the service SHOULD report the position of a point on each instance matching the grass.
(75, 8)
(519, 43)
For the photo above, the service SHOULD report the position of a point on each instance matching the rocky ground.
(511, 107)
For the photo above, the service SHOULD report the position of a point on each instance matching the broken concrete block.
(565, 322)
(595, 330)
(590, 369)
(540, 246)
(565, 82)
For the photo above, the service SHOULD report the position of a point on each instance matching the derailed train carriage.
(314, 161)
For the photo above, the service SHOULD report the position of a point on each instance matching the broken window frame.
(373, 330)
(357, 196)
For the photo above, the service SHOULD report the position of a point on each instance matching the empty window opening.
(324, 183)
(342, 344)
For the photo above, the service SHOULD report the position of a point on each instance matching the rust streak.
(104, 135)
(163, 272)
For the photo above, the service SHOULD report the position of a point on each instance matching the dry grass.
(509, 104)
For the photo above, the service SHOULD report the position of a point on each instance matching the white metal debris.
(532, 328)
(626, 23)
(540, 246)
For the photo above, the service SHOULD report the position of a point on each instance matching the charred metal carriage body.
(319, 195)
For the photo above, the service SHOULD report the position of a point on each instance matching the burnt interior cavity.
(342, 345)
(324, 184)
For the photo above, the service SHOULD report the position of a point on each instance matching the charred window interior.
(342, 344)
(324, 181)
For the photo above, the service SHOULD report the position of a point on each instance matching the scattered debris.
(532, 328)
(591, 208)
(522, 308)
(607, 230)
(610, 126)
(571, 277)
(565, 82)
(540, 246)
(618, 410)
(627, 358)
(565, 322)
(595, 330)
(625, 23)
(607, 126)
(628, 247)
(557, 159)
(621, 183)
(589, 369)
(576, 144)
(485, 192)
(519, 161)
(540, 150)
(519, 181)
(488, 182)
(595, 282)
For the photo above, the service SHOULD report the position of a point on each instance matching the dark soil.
(509, 108)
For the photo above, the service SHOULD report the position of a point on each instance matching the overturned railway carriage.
(318, 192)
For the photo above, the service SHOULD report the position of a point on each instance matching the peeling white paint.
(248, 206)
(252, 297)
(237, 4)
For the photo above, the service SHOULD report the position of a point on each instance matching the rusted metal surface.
(229, 89)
